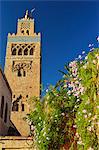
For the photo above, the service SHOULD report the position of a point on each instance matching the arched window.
(6, 111)
(2, 106)
(24, 73)
(27, 31)
(31, 51)
(22, 107)
(26, 51)
(20, 51)
(19, 73)
(22, 31)
(15, 106)
(14, 51)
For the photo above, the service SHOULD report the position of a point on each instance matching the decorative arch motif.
(25, 66)
(25, 25)
(31, 51)
(26, 51)
(20, 51)
(14, 51)
(23, 49)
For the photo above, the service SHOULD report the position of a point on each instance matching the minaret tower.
(22, 69)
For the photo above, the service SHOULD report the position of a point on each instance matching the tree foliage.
(68, 114)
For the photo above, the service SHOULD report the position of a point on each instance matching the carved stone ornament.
(22, 65)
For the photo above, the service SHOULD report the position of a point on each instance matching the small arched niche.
(26, 51)
(15, 106)
(20, 51)
(14, 51)
(31, 51)
(27, 31)
(22, 31)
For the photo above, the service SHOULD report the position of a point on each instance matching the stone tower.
(22, 69)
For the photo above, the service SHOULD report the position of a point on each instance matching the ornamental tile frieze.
(24, 39)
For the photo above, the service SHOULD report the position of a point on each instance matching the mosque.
(19, 82)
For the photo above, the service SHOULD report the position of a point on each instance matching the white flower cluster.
(75, 87)
(80, 141)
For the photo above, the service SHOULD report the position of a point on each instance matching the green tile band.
(23, 39)
(25, 20)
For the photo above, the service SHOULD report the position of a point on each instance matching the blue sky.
(66, 27)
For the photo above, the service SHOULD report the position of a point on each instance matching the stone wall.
(5, 104)
(16, 143)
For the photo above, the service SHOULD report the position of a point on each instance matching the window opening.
(14, 51)
(31, 51)
(20, 52)
(2, 106)
(6, 110)
(26, 51)
(22, 31)
(27, 31)
(27, 96)
(24, 73)
(22, 107)
(15, 106)
(19, 73)
(13, 63)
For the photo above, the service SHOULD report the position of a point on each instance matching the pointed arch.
(31, 51)
(26, 51)
(20, 51)
(14, 51)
